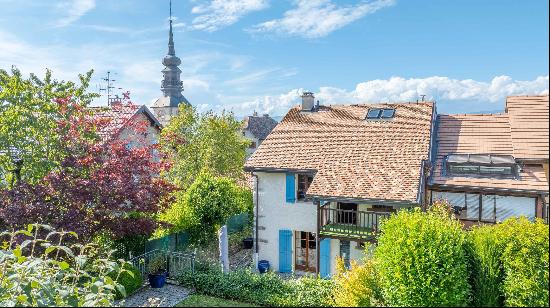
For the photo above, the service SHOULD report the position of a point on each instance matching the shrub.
(131, 280)
(38, 270)
(421, 259)
(266, 289)
(525, 262)
(484, 254)
(358, 287)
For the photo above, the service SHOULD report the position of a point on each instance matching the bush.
(266, 289)
(131, 280)
(358, 287)
(525, 262)
(484, 254)
(421, 259)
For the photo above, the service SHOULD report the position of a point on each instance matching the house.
(490, 167)
(128, 122)
(327, 175)
(256, 129)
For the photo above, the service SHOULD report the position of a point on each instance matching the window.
(345, 253)
(378, 113)
(304, 181)
(488, 208)
(482, 165)
(306, 251)
(347, 213)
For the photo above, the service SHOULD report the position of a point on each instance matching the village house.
(327, 176)
(256, 129)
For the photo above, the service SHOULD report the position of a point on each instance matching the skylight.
(378, 113)
(482, 165)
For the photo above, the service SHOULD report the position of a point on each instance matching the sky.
(259, 55)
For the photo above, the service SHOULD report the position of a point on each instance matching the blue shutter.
(285, 251)
(290, 188)
(324, 269)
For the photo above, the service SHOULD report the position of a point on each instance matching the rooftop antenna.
(423, 96)
(108, 87)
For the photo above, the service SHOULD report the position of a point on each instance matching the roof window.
(378, 113)
(482, 165)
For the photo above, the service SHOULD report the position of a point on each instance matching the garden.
(76, 206)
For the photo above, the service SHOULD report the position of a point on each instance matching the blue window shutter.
(290, 188)
(324, 269)
(285, 251)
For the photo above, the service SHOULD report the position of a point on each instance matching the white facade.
(275, 213)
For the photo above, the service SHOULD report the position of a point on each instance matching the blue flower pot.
(263, 266)
(157, 280)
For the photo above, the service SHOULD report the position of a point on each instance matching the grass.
(196, 300)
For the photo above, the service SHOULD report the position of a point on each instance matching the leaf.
(64, 265)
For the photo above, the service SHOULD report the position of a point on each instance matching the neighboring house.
(122, 119)
(490, 167)
(256, 129)
(327, 175)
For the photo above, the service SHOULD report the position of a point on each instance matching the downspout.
(256, 216)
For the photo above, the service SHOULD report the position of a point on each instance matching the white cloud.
(398, 89)
(217, 14)
(318, 18)
(72, 10)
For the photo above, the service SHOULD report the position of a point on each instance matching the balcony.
(349, 224)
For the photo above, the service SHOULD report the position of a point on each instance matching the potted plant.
(157, 271)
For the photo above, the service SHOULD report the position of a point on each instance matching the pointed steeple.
(171, 50)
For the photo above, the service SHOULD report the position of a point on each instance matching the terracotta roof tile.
(352, 157)
(117, 117)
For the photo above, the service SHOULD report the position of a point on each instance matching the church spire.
(171, 50)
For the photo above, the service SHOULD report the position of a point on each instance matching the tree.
(97, 185)
(206, 142)
(29, 116)
(207, 205)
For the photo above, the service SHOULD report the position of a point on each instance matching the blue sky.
(246, 55)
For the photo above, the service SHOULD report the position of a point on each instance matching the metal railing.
(350, 223)
(176, 262)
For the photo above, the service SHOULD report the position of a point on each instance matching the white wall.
(276, 214)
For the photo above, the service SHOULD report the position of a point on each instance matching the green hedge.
(263, 289)
(130, 283)
(421, 260)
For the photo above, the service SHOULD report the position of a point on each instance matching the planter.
(157, 280)
(248, 243)
(263, 266)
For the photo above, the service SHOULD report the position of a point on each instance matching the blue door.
(324, 267)
(285, 251)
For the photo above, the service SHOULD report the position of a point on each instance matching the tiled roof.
(117, 117)
(489, 134)
(260, 127)
(529, 125)
(352, 157)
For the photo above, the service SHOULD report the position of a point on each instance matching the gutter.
(256, 215)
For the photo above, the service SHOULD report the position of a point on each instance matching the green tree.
(203, 142)
(207, 205)
(421, 259)
(30, 110)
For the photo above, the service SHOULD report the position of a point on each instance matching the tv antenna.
(423, 96)
(109, 87)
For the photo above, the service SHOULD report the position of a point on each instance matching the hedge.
(130, 282)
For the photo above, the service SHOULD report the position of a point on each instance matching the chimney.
(308, 101)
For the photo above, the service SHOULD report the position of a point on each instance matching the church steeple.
(171, 86)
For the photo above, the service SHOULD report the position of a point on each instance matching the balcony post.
(318, 236)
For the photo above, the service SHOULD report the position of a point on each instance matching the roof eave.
(393, 203)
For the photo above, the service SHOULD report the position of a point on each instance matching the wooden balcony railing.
(349, 224)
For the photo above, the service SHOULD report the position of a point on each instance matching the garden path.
(168, 296)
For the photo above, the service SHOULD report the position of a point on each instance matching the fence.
(180, 241)
(176, 262)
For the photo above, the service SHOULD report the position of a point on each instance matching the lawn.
(208, 301)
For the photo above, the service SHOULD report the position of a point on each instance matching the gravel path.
(168, 296)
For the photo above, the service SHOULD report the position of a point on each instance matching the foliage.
(207, 205)
(38, 270)
(266, 289)
(525, 262)
(486, 275)
(100, 186)
(358, 287)
(157, 265)
(29, 121)
(208, 142)
(421, 259)
(130, 279)
(196, 300)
